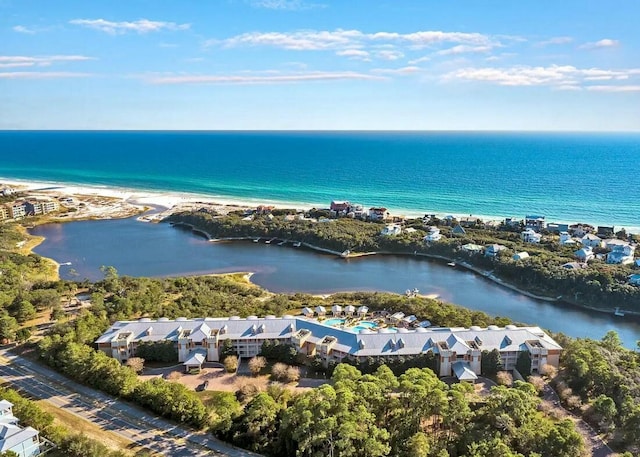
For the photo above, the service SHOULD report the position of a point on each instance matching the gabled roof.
(12, 435)
(196, 357)
(463, 371)
(458, 230)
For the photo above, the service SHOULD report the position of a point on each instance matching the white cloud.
(289, 5)
(354, 54)
(42, 75)
(389, 55)
(630, 88)
(23, 29)
(314, 40)
(419, 60)
(604, 43)
(397, 71)
(559, 76)
(263, 79)
(139, 26)
(556, 40)
(464, 49)
(39, 61)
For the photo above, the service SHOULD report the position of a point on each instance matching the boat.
(297, 244)
(66, 263)
(618, 312)
(452, 264)
(256, 240)
(345, 253)
(269, 241)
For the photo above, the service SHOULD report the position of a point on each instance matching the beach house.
(24, 441)
(493, 250)
(378, 214)
(391, 230)
(621, 254)
(530, 236)
(433, 234)
(333, 344)
(458, 230)
(591, 240)
(520, 256)
(534, 222)
(555, 227)
(585, 254)
(470, 221)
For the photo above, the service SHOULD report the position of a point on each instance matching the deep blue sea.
(568, 177)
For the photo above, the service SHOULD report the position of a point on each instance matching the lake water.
(142, 249)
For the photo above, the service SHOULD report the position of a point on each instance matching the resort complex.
(350, 335)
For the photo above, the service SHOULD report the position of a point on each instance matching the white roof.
(12, 435)
(365, 343)
(350, 308)
(196, 357)
(463, 371)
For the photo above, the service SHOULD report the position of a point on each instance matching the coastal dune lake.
(143, 249)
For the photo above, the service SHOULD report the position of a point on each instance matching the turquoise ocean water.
(567, 177)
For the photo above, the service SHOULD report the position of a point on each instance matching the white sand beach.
(101, 202)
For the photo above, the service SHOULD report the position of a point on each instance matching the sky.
(320, 64)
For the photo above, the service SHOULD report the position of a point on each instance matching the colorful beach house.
(378, 214)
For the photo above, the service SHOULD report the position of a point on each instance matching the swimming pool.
(334, 322)
(368, 325)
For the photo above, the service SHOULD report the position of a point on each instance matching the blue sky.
(298, 64)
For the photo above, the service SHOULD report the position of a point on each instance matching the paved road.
(599, 448)
(111, 414)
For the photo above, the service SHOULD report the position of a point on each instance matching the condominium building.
(452, 346)
(17, 210)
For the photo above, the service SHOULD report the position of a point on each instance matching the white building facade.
(333, 344)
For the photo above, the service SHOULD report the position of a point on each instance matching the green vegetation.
(601, 380)
(542, 273)
(68, 444)
(372, 409)
(414, 414)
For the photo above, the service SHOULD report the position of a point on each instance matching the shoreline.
(169, 200)
(488, 275)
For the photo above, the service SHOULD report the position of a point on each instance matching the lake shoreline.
(168, 203)
(488, 275)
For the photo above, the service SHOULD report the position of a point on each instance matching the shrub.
(279, 371)
(537, 382)
(256, 364)
(293, 374)
(504, 378)
(136, 364)
(231, 363)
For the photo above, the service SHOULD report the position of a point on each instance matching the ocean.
(567, 177)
